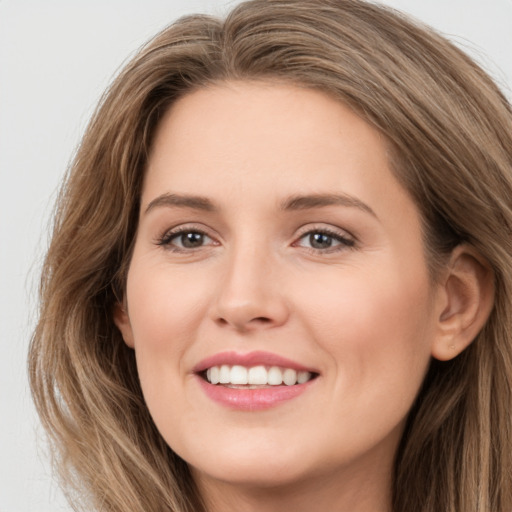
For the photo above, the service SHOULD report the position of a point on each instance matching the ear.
(466, 301)
(122, 321)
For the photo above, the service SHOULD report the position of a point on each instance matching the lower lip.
(252, 399)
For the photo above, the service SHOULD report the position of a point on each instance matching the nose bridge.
(249, 294)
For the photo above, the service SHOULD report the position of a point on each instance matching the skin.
(363, 313)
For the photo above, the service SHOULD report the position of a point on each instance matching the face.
(278, 298)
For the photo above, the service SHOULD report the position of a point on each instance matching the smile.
(256, 376)
(253, 381)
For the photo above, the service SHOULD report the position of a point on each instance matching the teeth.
(303, 377)
(238, 375)
(224, 374)
(289, 377)
(256, 375)
(214, 375)
(275, 376)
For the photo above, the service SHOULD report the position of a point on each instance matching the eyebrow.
(306, 202)
(293, 203)
(182, 201)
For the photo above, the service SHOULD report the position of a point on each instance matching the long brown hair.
(450, 130)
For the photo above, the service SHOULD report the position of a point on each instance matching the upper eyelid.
(309, 226)
(168, 234)
(298, 232)
(343, 240)
(184, 227)
(306, 228)
(325, 228)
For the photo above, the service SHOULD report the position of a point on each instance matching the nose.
(250, 294)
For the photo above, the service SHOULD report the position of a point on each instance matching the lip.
(251, 399)
(255, 358)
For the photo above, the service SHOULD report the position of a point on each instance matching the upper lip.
(249, 359)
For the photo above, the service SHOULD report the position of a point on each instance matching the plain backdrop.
(56, 58)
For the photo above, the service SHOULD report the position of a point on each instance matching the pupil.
(320, 240)
(192, 239)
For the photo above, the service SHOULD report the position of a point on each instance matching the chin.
(251, 473)
(260, 464)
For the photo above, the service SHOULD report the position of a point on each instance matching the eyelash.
(344, 242)
(166, 239)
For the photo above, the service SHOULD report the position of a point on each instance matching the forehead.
(264, 140)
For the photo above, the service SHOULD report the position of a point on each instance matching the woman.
(280, 275)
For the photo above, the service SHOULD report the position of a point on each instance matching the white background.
(56, 58)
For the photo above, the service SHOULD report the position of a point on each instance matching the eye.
(324, 240)
(185, 239)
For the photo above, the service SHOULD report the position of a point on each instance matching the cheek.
(376, 326)
(165, 311)
(163, 305)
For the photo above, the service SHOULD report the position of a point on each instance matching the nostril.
(244, 324)
(261, 319)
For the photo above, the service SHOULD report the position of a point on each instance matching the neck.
(367, 490)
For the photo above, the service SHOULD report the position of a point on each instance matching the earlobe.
(122, 321)
(467, 301)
